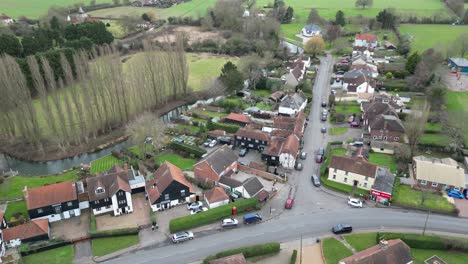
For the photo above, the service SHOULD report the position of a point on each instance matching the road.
(314, 212)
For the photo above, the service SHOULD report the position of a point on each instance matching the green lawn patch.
(104, 164)
(264, 106)
(338, 151)
(433, 127)
(104, 246)
(422, 36)
(457, 108)
(211, 114)
(15, 208)
(383, 160)
(177, 160)
(61, 255)
(452, 257)
(435, 139)
(205, 68)
(182, 128)
(262, 93)
(334, 250)
(347, 109)
(334, 131)
(362, 241)
(13, 187)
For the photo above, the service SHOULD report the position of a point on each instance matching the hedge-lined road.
(314, 211)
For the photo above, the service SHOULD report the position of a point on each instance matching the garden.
(334, 251)
(104, 246)
(61, 255)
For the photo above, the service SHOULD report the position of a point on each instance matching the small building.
(220, 163)
(440, 174)
(237, 119)
(55, 201)
(168, 187)
(354, 171)
(276, 96)
(393, 251)
(383, 185)
(233, 259)
(292, 104)
(34, 230)
(311, 30)
(289, 151)
(251, 138)
(251, 187)
(3, 222)
(216, 197)
(365, 40)
(390, 46)
(216, 133)
(459, 64)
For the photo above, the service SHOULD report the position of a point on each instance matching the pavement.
(83, 253)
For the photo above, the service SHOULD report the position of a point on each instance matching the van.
(252, 218)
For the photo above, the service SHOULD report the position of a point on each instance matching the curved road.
(314, 213)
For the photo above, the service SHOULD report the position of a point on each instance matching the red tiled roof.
(217, 194)
(34, 228)
(217, 132)
(50, 194)
(291, 145)
(253, 134)
(357, 165)
(394, 252)
(238, 118)
(275, 146)
(367, 37)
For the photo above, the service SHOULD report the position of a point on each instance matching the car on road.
(353, 202)
(319, 158)
(342, 228)
(355, 124)
(182, 236)
(194, 205)
(229, 222)
(323, 130)
(252, 218)
(289, 203)
(324, 104)
(207, 143)
(298, 166)
(315, 180)
(455, 194)
(213, 143)
(198, 210)
(303, 155)
(321, 151)
(243, 152)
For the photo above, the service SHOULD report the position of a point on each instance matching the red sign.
(381, 194)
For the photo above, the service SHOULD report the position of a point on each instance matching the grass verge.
(334, 250)
(248, 252)
(335, 131)
(61, 255)
(104, 246)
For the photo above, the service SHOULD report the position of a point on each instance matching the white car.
(182, 236)
(354, 203)
(230, 222)
(194, 205)
(198, 210)
(213, 143)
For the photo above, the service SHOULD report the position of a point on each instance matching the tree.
(207, 23)
(404, 45)
(146, 17)
(340, 18)
(333, 32)
(457, 6)
(231, 77)
(314, 45)
(460, 46)
(252, 69)
(387, 19)
(465, 18)
(129, 24)
(147, 130)
(425, 72)
(412, 62)
(287, 18)
(39, 41)
(364, 3)
(415, 125)
(314, 17)
(251, 3)
(10, 45)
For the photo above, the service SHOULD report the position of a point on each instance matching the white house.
(216, 197)
(365, 40)
(292, 104)
(358, 81)
(289, 152)
(311, 30)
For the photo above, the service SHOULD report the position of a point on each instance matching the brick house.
(439, 174)
(386, 128)
(219, 163)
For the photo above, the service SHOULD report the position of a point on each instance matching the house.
(276, 96)
(168, 187)
(272, 153)
(393, 251)
(296, 71)
(290, 78)
(363, 64)
(233, 259)
(389, 46)
(55, 201)
(251, 187)
(110, 193)
(216, 197)
(383, 185)
(237, 119)
(358, 81)
(354, 171)
(386, 128)
(292, 104)
(289, 151)
(80, 17)
(6, 19)
(365, 40)
(251, 138)
(219, 163)
(294, 125)
(34, 230)
(440, 174)
(311, 30)
(459, 64)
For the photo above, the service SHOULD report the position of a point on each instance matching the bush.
(114, 233)
(92, 224)
(226, 127)
(293, 257)
(198, 152)
(248, 252)
(190, 221)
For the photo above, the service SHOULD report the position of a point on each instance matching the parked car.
(323, 118)
(207, 143)
(323, 130)
(351, 119)
(298, 166)
(324, 112)
(321, 151)
(355, 124)
(315, 180)
(465, 193)
(455, 194)
(324, 104)
(289, 203)
(194, 205)
(303, 155)
(243, 163)
(229, 222)
(182, 236)
(357, 144)
(319, 158)
(252, 218)
(353, 202)
(243, 152)
(213, 143)
(198, 210)
(342, 228)
(236, 194)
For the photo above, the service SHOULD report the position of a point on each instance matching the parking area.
(139, 217)
(73, 228)
(251, 156)
(164, 217)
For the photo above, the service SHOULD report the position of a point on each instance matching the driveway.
(73, 228)
(139, 217)
(164, 217)
(83, 253)
(462, 206)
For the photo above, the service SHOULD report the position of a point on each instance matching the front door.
(355, 183)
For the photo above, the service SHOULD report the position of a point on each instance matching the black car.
(324, 104)
(323, 130)
(342, 228)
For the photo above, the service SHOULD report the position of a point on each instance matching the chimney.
(383, 244)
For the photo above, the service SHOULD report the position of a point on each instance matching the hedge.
(248, 252)
(226, 127)
(293, 257)
(198, 152)
(203, 218)
(114, 233)
(416, 241)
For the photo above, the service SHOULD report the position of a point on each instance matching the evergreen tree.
(412, 62)
(10, 45)
(340, 18)
(231, 77)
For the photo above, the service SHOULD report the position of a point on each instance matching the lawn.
(13, 187)
(435, 139)
(347, 108)
(457, 108)
(193, 129)
(61, 255)
(383, 160)
(420, 255)
(334, 131)
(409, 197)
(182, 163)
(104, 246)
(262, 93)
(433, 126)
(211, 114)
(104, 164)
(361, 241)
(114, 28)
(334, 250)
(264, 106)
(15, 207)
(338, 151)
(422, 36)
(205, 68)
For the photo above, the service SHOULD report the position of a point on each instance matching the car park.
(229, 222)
(342, 228)
(315, 180)
(182, 236)
(455, 194)
(289, 203)
(198, 210)
(243, 152)
(323, 130)
(319, 158)
(353, 202)
(303, 155)
(194, 205)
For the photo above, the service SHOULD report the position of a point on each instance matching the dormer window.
(99, 190)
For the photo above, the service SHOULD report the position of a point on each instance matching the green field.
(104, 246)
(428, 36)
(204, 68)
(457, 108)
(104, 164)
(334, 250)
(61, 255)
(177, 160)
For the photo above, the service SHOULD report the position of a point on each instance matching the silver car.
(182, 236)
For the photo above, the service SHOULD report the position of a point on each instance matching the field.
(204, 68)
(104, 246)
(61, 255)
(104, 164)
(36, 8)
(423, 36)
(457, 107)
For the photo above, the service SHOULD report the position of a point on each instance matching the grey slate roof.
(384, 181)
(230, 182)
(221, 158)
(293, 101)
(460, 62)
(312, 27)
(252, 186)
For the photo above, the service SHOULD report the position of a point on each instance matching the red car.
(355, 124)
(319, 158)
(289, 203)
(350, 119)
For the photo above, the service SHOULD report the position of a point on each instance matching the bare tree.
(147, 128)
(415, 125)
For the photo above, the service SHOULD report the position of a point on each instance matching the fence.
(263, 174)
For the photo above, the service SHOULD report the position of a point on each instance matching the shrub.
(226, 127)
(114, 233)
(416, 241)
(248, 252)
(198, 152)
(190, 221)
(293, 257)
(92, 224)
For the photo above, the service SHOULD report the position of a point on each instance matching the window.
(396, 138)
(256, 141)
(182, 192)
(435, 184)
(98, 209)
(96, 202)
(40, 211)
(249, 139)
(423, 182)
(457, 189)
(385, 138)
(273, 158)
(106, 200)
(166, 196)
(122, 202)
(69, 204)
(99, 190)
(57, 209)
(334, 176)
(374, 137)
(366, 179)
(365, 184)
(345, 180)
